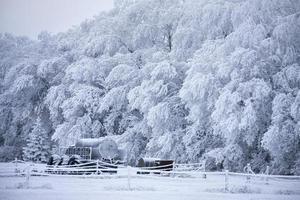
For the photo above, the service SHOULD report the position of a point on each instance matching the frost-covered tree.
(181, 79)
(282, 137)
(78, 110)
(38, 143)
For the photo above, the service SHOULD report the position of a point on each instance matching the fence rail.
(99, 168)
(102, 170)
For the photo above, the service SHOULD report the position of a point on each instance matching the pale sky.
(30, 17)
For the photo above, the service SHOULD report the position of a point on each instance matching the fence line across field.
(161, 172)
(189, 164)
(158, 167)
(75, 168)
(131, 173)
(151, 172)
(101, 163)
(103, 166)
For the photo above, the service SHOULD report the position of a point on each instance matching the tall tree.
(38, 143)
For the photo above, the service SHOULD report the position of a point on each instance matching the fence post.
(173, 170)
(267, 175)
(91, 153)
(97, 171)
(16, 166)
(248, 170)
(128, 177)
(27, 176)
(204, 175)
(226, 180)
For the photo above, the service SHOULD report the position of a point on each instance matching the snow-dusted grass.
(145, 187)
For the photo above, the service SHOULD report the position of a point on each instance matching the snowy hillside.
(175, 79)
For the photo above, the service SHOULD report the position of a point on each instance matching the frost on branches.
(185, 80)
(37, 148)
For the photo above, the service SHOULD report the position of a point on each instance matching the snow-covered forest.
(181, 79)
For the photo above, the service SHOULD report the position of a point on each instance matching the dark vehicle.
(87, 156)
(154, 164)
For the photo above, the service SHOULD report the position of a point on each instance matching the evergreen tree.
(38, 145)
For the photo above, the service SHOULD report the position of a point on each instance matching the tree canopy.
(180, 79)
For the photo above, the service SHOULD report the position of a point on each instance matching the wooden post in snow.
(16, 166)
(97, 171)
(128, 177)
(226, 181)
(173, 170)
(27, 176)
(91, 153)
(204, 174)
(267, 175)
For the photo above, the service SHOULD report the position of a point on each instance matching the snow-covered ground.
(146, 188)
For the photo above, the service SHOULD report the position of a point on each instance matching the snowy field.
(116, 187)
